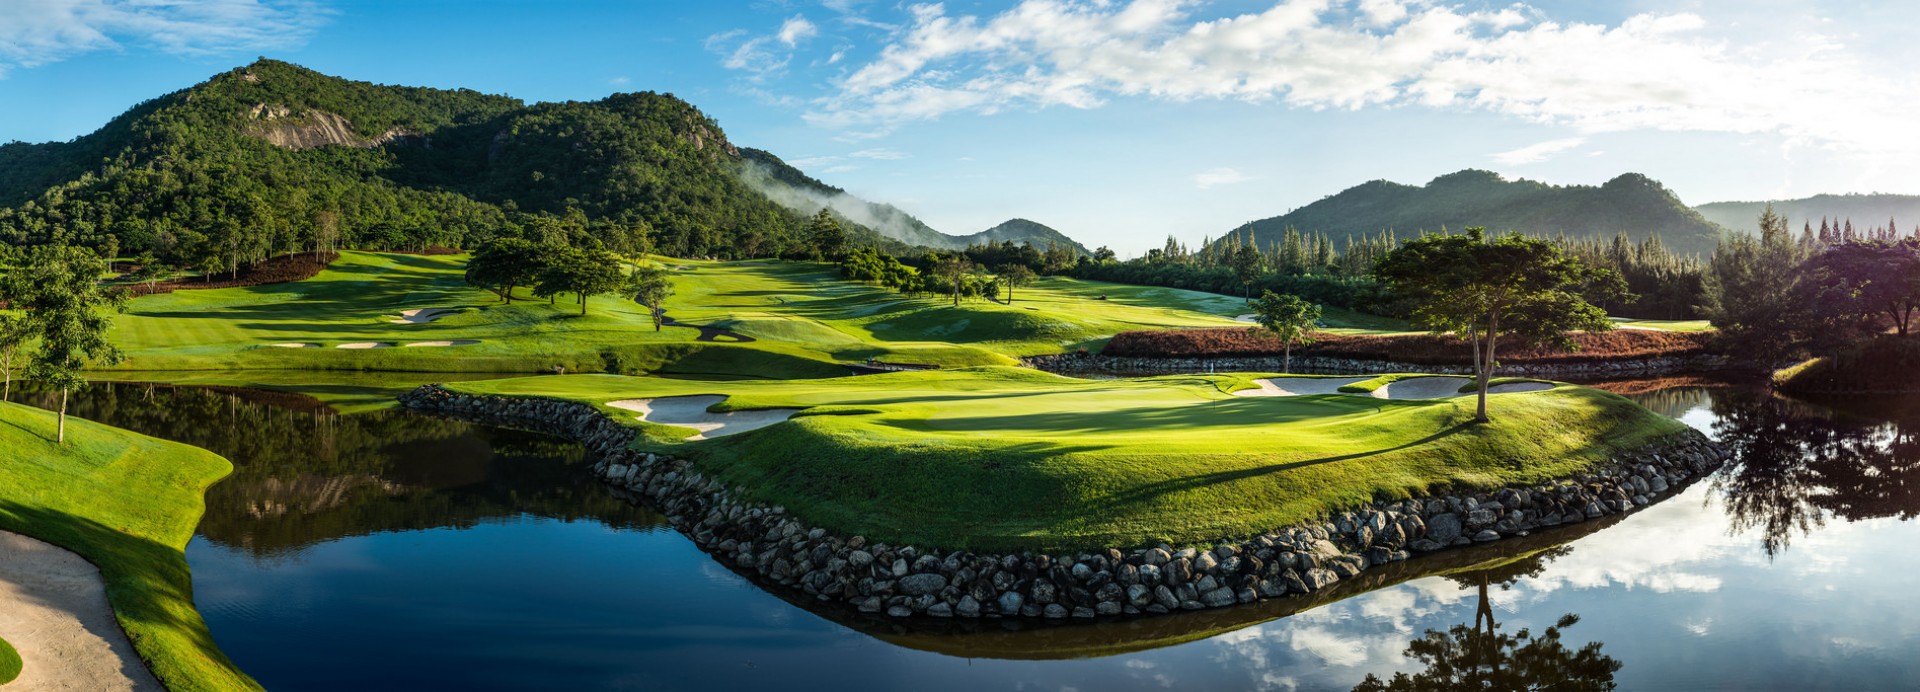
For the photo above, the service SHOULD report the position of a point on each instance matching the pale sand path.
(456, 342)
(691, 412)
(1436, 387)
(1300, 386)
(421, 315)
(292, 345)
(53, 608)
(366, 344)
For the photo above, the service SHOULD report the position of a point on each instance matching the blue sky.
(1117, 121)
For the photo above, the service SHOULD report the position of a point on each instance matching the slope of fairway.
(128, 503)
(761, 318)
(1000, 458)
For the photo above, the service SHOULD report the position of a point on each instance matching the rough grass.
(1002, 458)
(128, 503)
(801, 318)
(1885, 364)
(10, 662)
(1422, 348)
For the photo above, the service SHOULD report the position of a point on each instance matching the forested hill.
(272, 156)
(1023, 231)
(1631, 203)
(803, 193)
(1865, 211)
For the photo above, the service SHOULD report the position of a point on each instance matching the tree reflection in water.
(1481, 657)
(303, 474)
(1799, 464)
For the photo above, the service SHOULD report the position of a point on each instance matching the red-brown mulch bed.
(1423, 349)
(278, 270)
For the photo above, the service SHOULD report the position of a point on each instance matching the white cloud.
(879, 154)
(1535, 153)
(38, 32)
(620, 81)
(762, 56)
(797, 29)
(1218, 176)
(1655, 71)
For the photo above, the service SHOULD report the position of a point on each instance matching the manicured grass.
(128, 503)
(1002, 458)
(802, 319)
(10, 662)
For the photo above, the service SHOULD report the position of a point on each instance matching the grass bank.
(1009, 459)
(128, 503)
(10, 663)
(1886, 364)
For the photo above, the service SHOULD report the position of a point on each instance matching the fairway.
(376, 311)
(1002, 458)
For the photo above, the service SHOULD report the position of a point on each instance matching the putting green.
(1003, 458)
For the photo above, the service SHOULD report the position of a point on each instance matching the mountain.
(1630, 203)
(1866, 211)
(272, 156)
(802, 193)
(1023, 231)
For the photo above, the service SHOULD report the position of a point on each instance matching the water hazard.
(389, 550)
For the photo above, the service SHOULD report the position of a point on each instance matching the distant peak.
(1470, 175)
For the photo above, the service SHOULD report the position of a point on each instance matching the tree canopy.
(1483, 288)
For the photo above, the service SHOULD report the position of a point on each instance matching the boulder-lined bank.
(904, 581)
(1099, 364)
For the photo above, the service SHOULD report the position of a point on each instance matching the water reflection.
(1481, 657)
(1801, 463)
(304, 475)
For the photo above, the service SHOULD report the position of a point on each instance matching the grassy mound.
(1001, 458)
(128, 504)
(1885, 365)
(10, 663)
(775, 319)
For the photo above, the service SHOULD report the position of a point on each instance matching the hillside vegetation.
(1632, 203)
(272, 156)
(1865, 211)
(1003, 458)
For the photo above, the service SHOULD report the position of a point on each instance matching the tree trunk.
(583, 305)
(1286, 364)
(61, 435)
(509, 294)
(1487, 365)
(7, 393)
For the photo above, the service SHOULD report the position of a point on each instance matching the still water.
(390, 550)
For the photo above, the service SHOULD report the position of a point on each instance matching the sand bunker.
(53, 608)
(294, 345)
(456, 342)
(1436, 387)
(1247, 318)
(421, 315)
(366, 344)
(691, 412)
(1300, 386)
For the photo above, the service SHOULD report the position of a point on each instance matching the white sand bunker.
(53, 608)
(1517, 387)
(1423, 388)
(1300, 386)
(366, 344)
(1249, 317)
(290, 345)
(421, 315)
(691, 412)
(456, 342)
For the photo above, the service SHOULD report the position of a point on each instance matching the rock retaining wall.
(904, 581)
(1086, 363)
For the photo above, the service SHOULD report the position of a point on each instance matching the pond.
(390, 550)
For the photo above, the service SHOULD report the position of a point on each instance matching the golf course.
(395, 312)
(1014, 459)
